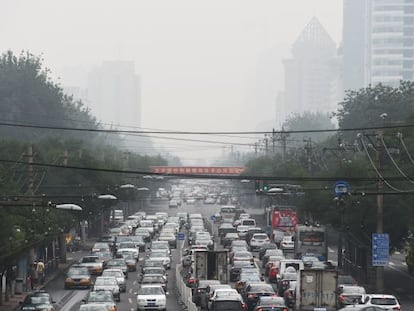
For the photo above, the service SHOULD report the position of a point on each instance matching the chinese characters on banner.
(198, 170)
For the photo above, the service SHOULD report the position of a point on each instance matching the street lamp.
(107, 198)
(69, 207)
(128, 188)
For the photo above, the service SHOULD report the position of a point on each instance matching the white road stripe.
(391, 263)
(130, 301)
(330, 250)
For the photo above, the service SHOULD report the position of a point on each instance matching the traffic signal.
(265, 186)
(257, 185)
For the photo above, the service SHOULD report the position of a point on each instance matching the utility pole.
(283, 138)
(273, 141)
(30, 170)
(380, 206)
(308, 149)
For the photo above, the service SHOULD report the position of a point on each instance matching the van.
(251, 223)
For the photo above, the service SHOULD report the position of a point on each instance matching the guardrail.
(185, 292)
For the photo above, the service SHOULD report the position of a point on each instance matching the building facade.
(378, 42)
(312, 74)
(114, 93)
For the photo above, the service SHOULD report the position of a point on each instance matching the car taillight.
(397, 308)
(250, 296)
(285, 283)
(244, 307)
(198, 290)
(285, 309)
(191, 281)
(259, 309)
(341, 298)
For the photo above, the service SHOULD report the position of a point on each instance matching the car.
(139, 242)
(271, 303)
(346, 279)
(387, 302)
(242, 231)
(160, 245)
(220, 293)
(104, 297)
(269, 253)
(249, 222)
(173, 203)
(245, 279)
(158, 279)
(148, 224)
(108, 283)
(118, 263)
(350, 295)
(161, 255)
(254, 291)
(151, 297)
(251, 232)
(154, 270)
(101, 247)
(78, 276)
(129, 247)
(93, 263)
(38, 300)
(287, 243)
(362, 308)
(229, 238)
(170, 237)
(265, 247)
(95, 307)
(235, 270)
(144, 233)
(257, 240)
(243, 256)
(228, 303)
(199, 293)
(284, 281)
(129, 260)
(118, 275)
(152, 263)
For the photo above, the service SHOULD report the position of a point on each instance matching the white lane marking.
(391, 263)
(130, 301)
(397, 253)
(135, 282)
(330, 250)
(404, 263)
(130, 291)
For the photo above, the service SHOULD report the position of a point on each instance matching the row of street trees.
(352, 155)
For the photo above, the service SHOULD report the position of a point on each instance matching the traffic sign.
(341, 188)
(380, 249)
(181, 236)
(213, 218)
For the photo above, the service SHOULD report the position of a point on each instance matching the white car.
(128, 247)
(287, 243)
(119, 275)
(108, 283)
(258, 239)
(242, 231)
(151, 297)
(387, 302)
(166, 260)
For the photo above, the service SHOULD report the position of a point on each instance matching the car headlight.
(141, 301)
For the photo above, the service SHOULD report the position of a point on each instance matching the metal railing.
(185, 292)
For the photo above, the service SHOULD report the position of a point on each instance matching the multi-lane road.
(397, 280)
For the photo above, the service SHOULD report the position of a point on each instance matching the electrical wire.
(395, 163)
(378, 172)
(400, 136)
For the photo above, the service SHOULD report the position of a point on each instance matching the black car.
(236, 269)
(271, 303)
(158, 279)
(264, 247)
(229, 303)
(229, 238)
(252, 231)
(199, 293)
(38, 300)
(254, 291)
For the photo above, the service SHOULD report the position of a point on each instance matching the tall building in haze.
(312, 75)
(114, 93)
(378, 42)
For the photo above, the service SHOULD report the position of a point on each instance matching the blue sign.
(181, 236)
(341, 188)
(380, 249)
(213, 218)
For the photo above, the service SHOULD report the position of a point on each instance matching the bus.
(228, 213)
(311, 240)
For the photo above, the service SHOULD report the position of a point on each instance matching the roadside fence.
(185, 292)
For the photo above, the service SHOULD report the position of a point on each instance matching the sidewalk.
(14, 302)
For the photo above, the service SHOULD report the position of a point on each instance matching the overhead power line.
(202, 176)
(202, 132)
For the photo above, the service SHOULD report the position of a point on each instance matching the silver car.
(108, 283)
(119, 275)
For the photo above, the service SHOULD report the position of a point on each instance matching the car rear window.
(260, 236)
(383, 301)
(248, 222)
(226, 305)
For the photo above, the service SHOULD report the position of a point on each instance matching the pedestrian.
(33, 276)
(40, 269)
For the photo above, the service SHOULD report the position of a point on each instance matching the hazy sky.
(205, 65)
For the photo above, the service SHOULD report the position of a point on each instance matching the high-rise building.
(354, 43)
(378, 42)
(114, 93)
(312, 75)
(391, 45)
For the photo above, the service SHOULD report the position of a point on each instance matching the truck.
(283, 221)
(316, 290)
(211, 265)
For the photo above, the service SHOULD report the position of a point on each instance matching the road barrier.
(185, 292)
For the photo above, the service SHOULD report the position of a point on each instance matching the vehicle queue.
(262, 274)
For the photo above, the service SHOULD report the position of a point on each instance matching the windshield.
(151, 291)
(105, 281)
(100, 296)
(312, 237)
